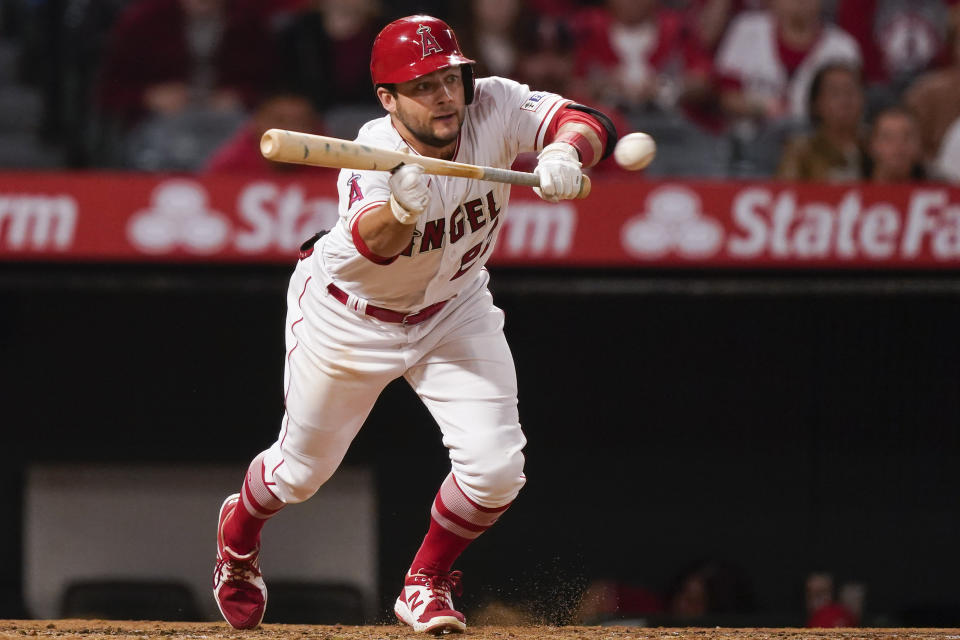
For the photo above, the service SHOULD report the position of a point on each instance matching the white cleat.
(426, 603)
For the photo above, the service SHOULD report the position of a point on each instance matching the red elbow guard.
(573, 113)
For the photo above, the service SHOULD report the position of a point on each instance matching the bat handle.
(527, 179)
(585, 187)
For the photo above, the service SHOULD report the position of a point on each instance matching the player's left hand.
(558, 167)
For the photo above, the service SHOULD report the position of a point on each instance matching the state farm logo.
(766, 222)
(538, 229)
(179, 216)
(266, 217)
(673, 222)
(37, 222)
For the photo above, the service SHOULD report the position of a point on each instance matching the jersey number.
(476, 251)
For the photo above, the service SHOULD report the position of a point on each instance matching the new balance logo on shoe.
(415, 602)
(426, 602)
(238, 585)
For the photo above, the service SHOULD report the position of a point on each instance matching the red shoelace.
(444, 583)
(237, 570)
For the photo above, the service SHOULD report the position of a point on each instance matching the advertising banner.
(106, 217)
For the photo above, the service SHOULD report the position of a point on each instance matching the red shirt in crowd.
(673, 42)
(896, 37)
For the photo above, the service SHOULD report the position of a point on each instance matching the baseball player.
(399, 288)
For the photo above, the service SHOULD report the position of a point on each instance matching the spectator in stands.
(895, 153)
(898, 39)
(767, 59)
(168, 56)
(546, 61)
(709, 586)
(709, 19)
(947, 162)
(491, 32)
(325, 52)
(705, 587)
(241, 153)
(639, 54)
(832, 152)
(935, 100)
(823, 610)
(553, 8)
(546, 56)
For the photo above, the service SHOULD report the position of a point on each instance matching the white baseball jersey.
(749, 53)
(455, 236)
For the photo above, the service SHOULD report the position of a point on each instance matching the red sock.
(258, 503)
(455, 522)
(439, 550)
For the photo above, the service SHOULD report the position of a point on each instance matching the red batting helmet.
(415, 46)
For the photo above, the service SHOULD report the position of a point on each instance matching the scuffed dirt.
(145, 630)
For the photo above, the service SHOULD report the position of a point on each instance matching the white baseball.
(635, 151)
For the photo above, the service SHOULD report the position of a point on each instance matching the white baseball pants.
(338, 362)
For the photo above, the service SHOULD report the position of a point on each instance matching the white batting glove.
(558, 166)
(409, 193)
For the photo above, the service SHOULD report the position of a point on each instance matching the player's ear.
(388, 98)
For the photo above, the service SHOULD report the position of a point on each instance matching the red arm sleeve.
(568, 115)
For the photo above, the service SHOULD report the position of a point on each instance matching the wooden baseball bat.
(322, 151)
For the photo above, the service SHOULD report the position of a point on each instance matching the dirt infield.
(143, 630)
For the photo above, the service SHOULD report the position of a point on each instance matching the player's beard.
(425, 134)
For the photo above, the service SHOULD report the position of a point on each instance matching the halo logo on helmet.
(427, 41)
(415, 46)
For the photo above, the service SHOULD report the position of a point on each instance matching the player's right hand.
(409, 193)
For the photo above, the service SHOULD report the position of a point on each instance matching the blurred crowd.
(819, 90)
(708, 592)
(712, 592)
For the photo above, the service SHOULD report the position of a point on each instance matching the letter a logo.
(429, 43)
(355, 193)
